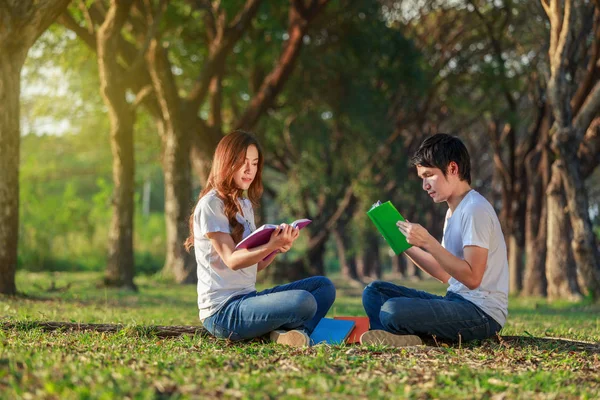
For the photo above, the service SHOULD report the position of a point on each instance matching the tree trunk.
(22, 23)
(311, 264)
(572, 118)
(583, 243)
(179, 264)
(559, 260)
(347, 263)
(120, 269)
(536, 228)
(412, 271)
(399, 265)
(537, 172)
(360, 265)
(515, 263)
(370, 267)
(10, 89)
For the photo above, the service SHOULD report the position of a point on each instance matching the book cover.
(331, 331)
(385, 216)
(263, 234)
(361, 325)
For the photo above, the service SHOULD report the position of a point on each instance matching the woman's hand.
(283, 237)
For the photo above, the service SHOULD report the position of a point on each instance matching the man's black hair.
(439, 150)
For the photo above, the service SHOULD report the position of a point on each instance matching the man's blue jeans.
(406, 311)
(297, 305)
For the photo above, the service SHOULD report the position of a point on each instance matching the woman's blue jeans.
(406, 311)
(296, 305)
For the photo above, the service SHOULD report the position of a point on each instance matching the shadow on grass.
(130, 330)
(507, 342)
(549, 344)
(520, 343)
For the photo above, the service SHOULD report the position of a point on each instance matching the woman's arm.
(244, 258)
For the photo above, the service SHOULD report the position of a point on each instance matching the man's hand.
(415, 234)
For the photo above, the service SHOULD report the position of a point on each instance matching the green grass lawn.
(135, 364)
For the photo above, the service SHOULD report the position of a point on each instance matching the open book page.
(263, 234)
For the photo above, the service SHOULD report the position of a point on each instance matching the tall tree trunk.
(310, 265)
(412, 271)
(22, 22)
(536, 223)
(176, 164)
(560, 265)
(583, 244)
(515, 262)
(347, 263)
(370, 267)
(10, 89)
(572, 117)
(359, 260)
(179, 264)
(120, 269)
(399, 265)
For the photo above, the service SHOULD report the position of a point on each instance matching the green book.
(385, 216)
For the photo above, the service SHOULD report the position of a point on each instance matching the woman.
(230, 307)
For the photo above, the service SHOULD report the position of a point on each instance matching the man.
(471, 259)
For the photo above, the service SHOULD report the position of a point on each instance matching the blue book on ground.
(331, 331)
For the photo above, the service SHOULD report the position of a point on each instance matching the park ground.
(546, 351)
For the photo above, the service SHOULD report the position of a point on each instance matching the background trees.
(340, 93)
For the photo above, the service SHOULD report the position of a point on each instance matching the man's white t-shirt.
(217, 283)
(475, 223)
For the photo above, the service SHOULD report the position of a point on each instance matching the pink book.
(263, 234)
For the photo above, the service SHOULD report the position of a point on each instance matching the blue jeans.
(296, 305)
(406, 311)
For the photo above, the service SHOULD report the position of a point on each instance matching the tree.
(574, 106)
(179, 102)
(120, 266)
(339, 135)
(23, 21)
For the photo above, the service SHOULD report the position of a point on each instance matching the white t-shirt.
(217, 283)
(475, 223)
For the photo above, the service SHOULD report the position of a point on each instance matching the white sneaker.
(293, 338)
(389, 339)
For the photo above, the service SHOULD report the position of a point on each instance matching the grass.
(134, 363)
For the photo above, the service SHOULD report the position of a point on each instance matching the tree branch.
(591, 70)
(274, 81)
(589, 150)
(589, 109)
(67, 20)
(220, 49)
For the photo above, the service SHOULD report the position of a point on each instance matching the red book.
(361, 325)
(263, 234)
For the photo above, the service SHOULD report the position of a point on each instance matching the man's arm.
(427, 263)
(440, 263)
(469, 271)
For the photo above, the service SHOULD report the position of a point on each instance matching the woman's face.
(244, 176)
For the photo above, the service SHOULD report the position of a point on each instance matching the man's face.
(437, 186)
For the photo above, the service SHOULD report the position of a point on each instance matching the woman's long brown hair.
(229, 157)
